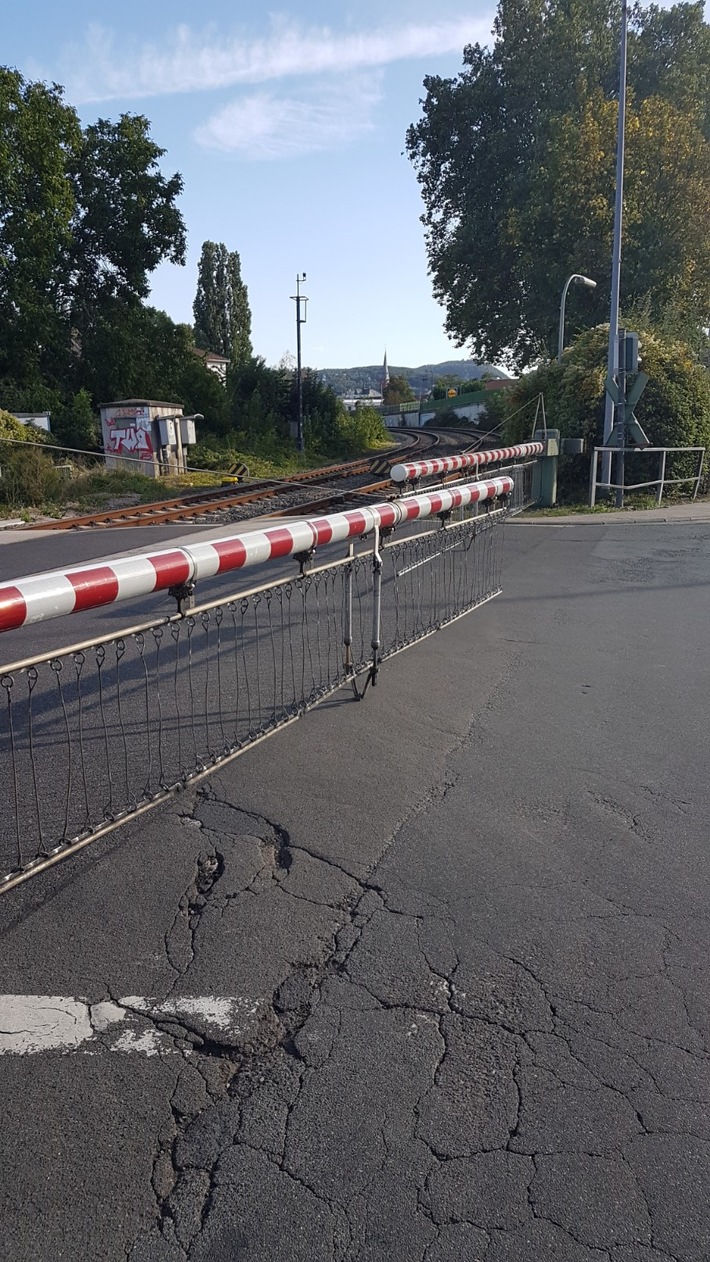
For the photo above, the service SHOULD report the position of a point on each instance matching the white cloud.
(191, 61)
(265, 126)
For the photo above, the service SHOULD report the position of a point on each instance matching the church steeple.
(385, 374)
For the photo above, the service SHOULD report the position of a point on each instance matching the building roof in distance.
(213, 356)
(140, 403)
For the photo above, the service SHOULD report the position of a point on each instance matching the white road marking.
(32, 1024)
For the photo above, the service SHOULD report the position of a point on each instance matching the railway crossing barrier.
(98, 731)
(533, 466)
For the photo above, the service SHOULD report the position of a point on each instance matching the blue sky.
(288, 127)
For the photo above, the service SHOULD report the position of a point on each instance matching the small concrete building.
(146, 436)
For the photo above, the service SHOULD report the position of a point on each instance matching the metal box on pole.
(187, 431)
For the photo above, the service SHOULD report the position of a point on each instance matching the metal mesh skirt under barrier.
(93, 734)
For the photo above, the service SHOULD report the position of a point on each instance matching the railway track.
(234, 501)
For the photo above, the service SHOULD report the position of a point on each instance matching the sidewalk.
(699, 510)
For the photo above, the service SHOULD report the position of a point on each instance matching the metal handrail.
(661, 481)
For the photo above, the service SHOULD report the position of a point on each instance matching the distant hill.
(346, 381)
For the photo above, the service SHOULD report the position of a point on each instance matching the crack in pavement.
(546, 1035)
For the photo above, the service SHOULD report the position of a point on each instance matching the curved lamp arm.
(585, 280)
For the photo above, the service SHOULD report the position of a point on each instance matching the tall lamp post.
(299, 298)
(584, 280)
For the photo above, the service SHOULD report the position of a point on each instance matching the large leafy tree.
(40, 136)
(516, 158)
(221, 307)
(85, 216)
(126, 221)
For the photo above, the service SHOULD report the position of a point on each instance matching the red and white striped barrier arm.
(56, 592)
(451, 464)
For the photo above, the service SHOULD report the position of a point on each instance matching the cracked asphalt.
(464, 930)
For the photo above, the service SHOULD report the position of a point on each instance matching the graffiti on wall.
(129, 433)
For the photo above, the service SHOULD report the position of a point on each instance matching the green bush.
(11, 428)
(75, 423)
(362, 430)
(28, 477)
(674, 409)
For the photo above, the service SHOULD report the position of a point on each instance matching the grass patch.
(632, 504)
(31, 483)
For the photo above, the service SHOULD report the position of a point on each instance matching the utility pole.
(613, 356)
(299, 298)
(621, 422)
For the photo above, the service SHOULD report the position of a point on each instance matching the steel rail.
(206, 500)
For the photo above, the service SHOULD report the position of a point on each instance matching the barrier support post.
(545, 471)
(661, 477)
(700, 473)
(348, 620)
(594, 464)
(376, 605)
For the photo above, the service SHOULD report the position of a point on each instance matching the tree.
(76, 424)
(133, 350)
(398, 390)
(461, 385)
(39, 137)
(221, 307)
(126, 221)
(666, 253)
(85, 217)
(516, 158)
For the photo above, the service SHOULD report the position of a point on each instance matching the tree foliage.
(39, 138)
(398, 390)
(442, 385)
(221, 307)
(85, 216)
(516, 162)
(674, 409)
(125, 221)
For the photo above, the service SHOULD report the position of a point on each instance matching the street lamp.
(299, 298)
(585, 280)
(613, 353)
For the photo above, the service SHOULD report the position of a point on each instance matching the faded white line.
(33, 1024)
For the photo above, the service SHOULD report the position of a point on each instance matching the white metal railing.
(661, 481)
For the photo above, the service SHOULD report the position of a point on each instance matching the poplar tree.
(221, 306)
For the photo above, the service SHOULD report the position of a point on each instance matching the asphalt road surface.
(421, 979)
